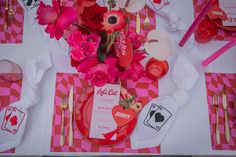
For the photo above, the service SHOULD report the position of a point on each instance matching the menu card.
(229, 7)
(102, 121)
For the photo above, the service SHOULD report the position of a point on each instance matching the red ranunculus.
(92, 17)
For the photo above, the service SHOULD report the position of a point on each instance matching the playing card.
(15, 120)
(159, 118)
(30, 4)
(7, 115)
(150, 113)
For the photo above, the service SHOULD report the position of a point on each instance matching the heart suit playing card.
(12, 119)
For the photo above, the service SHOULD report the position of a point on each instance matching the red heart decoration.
(122, 116)
(215, 12)
(123, 50)
(157, 1)
(13, 120)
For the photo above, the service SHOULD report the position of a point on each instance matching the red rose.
(92, 17)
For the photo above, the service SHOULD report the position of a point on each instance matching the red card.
(123, 50)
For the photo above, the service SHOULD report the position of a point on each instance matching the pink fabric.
(63, 83)
(9, 93)
(214, 84)
(14, 33)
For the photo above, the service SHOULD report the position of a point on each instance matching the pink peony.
(56, 17)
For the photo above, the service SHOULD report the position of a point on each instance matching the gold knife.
(6, 16)
(71, 104)
(225, 107)
(138, 24)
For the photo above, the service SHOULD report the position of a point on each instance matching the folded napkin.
(14, 117)
(157, 116)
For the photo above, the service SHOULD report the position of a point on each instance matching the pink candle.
(219, 52)
(196, 22)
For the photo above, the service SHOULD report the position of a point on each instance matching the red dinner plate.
(218, 22)
(83, 113)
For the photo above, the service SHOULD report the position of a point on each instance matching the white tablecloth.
(190, 133)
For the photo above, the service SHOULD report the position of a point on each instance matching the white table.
(190, 132)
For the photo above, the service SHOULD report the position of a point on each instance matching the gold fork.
(216, 107)
(63, 104)
(146, 20)
(11, 13)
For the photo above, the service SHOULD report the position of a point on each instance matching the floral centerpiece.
(101, 45)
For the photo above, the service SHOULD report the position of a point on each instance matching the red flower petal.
(87, 64)
(50, 29)
(67, 17)
(46, 14)
(56, 5)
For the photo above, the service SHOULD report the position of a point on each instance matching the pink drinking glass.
(10, 71)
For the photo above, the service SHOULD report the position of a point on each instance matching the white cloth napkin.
(33, 73)
(156, 117)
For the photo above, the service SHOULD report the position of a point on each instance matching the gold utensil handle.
(227, 131)
(217, 129)
(137, 23)
(71, 131)
(62, 129)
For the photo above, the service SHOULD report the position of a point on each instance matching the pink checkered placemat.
(14, 33)
(222, 34)
(9, 93)
(132, 22)
(145, 90)
(214, 84)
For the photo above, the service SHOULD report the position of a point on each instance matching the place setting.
(120, 56)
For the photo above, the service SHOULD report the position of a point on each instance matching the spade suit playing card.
(7, 115)
(159, 118)
(151, 112)
(14, 120)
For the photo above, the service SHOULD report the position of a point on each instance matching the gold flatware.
(225, 107)
(11, 13)
(235, 106)
(216, 107)
(63, 104)
(71, 104)
(6, 16)
(138, 24)
(146, 20)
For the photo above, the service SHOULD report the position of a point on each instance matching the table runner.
(145, 89)
(214, 84)
(14, 33)
(9, 93)
(222, 34)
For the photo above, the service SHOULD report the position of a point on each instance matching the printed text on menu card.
(105, 98)
(229, 7)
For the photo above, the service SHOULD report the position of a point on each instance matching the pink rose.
(75, 38)
(77, 53)
(101, 74)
